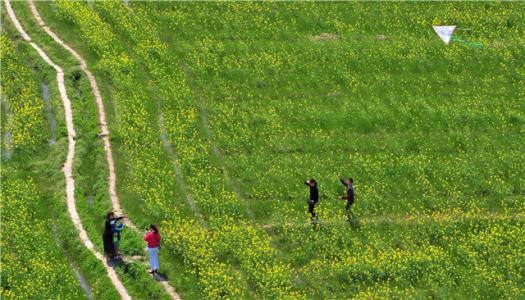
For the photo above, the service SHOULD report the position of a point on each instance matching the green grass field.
(219, 111)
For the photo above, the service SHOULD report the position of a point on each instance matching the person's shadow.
(160, 276)
(114, 263)
(111, 262)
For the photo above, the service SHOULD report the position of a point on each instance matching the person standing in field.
(107, 236)
(152, 237)
(117, 228)
(349, 197)
(314, 197)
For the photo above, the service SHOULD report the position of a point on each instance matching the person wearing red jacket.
(152, 237)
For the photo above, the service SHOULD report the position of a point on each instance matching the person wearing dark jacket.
(314, 197)
(349, 197)
(107, 236)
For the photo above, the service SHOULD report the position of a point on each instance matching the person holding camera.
(314, 197)
(152, 237)
(110, 248)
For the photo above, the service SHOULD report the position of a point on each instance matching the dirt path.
(68, 165)
(104, 131)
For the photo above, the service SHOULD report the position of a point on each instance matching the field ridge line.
(405, 219)
(104, 130)
(68, 165)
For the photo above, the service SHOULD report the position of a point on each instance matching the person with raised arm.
(349, 197)
(110, 249)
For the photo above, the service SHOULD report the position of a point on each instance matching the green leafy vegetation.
(220, 111)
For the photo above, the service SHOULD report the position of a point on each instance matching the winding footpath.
(100, 107)
(68, 165)
(115, 203)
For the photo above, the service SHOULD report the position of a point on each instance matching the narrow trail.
(396, 219)
(104, 134)
(104, 131)
(68, 165)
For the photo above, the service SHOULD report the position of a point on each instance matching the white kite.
(446, 33)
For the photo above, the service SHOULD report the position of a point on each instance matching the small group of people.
(114, 225)
(111, 238)
(313, 199)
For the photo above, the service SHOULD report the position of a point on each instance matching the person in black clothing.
(107, 236)
(314, 197)
(349, 194)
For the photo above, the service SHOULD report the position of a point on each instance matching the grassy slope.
(373, 114)
(217, 84)
(263, 108)
(402, 115)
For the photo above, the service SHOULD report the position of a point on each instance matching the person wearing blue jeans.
(152, 237)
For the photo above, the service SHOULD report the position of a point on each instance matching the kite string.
(456, 39)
